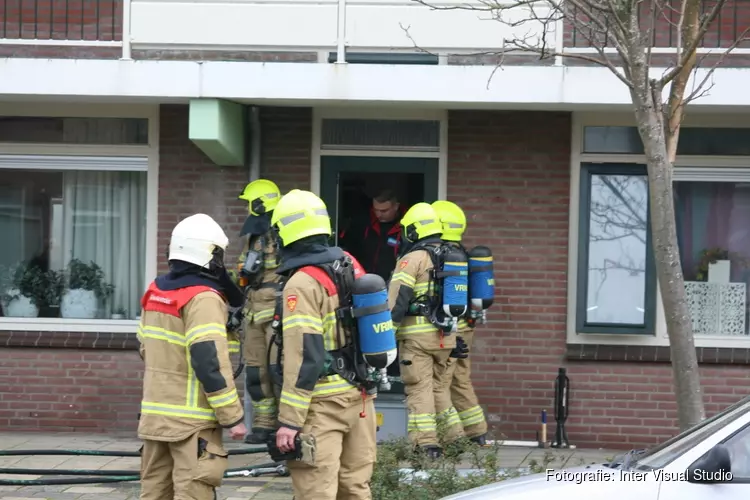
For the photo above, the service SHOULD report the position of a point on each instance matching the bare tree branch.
(689, 51)
(699, 90)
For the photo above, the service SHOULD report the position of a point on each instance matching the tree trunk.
(651, 128)
(675, 109)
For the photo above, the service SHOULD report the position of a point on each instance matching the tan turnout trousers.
(258, 334)
(183, 470)
(462, 392)
(427, 377)
(345, 450)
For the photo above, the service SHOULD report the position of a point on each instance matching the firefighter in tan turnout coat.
(258, 264)
(315, 400)
(188, 391)
(424, 351)
(461, 389)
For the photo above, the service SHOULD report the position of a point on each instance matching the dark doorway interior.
(357, 189)
(348, 185)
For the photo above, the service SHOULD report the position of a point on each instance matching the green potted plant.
(55, 281)
(23, 290)
(714, 264)
(86, 286)
(120, 313)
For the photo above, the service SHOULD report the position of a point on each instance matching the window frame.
(687, 168)
(97, 159)
(588, 170)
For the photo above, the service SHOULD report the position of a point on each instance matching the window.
(693, 141)
(739, 451)
(617, 277)
(380, 134)
(616, 282)
(53, 130)
(713, 224)
(74, 241)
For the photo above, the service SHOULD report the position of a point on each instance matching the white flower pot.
(118, 316)
(719, 272)
(20, 307)
(79, 303)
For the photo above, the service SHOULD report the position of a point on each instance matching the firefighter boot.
(480, 440)
(432, 452)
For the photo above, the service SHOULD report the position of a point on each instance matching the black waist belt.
(270, 284)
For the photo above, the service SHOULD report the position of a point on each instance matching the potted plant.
(86, 286)
(715, 265)
(120, 313)
(55, 284)
(23, 291)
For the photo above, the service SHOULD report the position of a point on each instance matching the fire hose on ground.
(115, 476)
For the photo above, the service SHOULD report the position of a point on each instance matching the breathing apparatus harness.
(251, 273)
(346, 360)
(429, 304)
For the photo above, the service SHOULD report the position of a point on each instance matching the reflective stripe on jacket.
(410, 280)
(309, 331)
(187, 384)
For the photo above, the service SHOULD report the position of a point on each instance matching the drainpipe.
(253, 139)
(254, 123)
(341, 33)
(126, 30)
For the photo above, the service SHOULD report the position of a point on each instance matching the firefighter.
(188, 389)
(315, 400)
(258, 274)
(424, 349)
(462, 393)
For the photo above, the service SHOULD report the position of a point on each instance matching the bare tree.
(622, 33)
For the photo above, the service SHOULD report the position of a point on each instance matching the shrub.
(434, 479)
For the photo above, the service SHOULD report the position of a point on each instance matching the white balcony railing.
(307, 25)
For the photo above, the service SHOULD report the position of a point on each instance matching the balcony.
(306, 26)
(370, 25)
(61, 22)
(728, 27)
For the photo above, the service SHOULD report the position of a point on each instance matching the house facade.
(119, 119)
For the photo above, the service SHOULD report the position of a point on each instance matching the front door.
(348, 184)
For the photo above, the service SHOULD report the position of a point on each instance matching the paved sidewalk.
(261, 488)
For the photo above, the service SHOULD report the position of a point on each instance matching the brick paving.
(240, 488)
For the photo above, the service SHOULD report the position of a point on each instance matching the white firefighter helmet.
(195, 238)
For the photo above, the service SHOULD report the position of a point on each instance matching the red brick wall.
(731, 22)
(94, 390)
(68, 20)
(510, 173)
(68, 389)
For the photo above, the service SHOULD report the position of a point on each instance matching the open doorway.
(349, 183)
(357, 189)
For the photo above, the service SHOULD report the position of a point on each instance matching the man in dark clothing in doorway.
(374, 239)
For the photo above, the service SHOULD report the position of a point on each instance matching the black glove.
(275, 452)
(461, 351)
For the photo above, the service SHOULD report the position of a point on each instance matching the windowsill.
(68, 325)
(710, 341)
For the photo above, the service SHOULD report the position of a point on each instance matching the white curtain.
(105, 222)
(20, 225)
